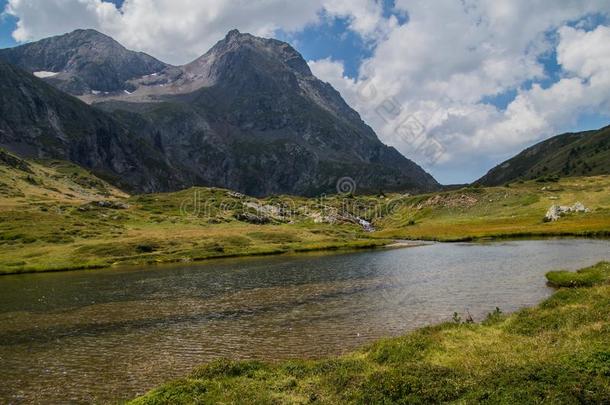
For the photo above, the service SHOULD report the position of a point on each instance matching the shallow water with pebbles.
(109, 335)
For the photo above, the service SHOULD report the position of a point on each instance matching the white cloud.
(335, 71)
(450, 57)
(585, 54)
(365, 17)
(585, 88)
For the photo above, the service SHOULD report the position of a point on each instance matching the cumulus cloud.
(366, 17)
(585, 54)
(443, 66)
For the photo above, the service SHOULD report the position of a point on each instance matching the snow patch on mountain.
(43, 74)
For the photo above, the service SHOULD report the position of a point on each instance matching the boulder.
(579, 207)
(252, 219)
(557, 211)
(552, 214)
(112, 204)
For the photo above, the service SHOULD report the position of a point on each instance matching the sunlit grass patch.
(582, 278)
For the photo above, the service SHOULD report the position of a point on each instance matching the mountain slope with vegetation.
(515, 210)
(24, 182)
(573, 154)
(37, 120)
(57, 216)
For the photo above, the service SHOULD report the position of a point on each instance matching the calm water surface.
(104, 336)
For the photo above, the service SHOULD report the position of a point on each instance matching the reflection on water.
(108, 335)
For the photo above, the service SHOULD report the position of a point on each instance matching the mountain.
(40, 121)
(248, 115)
(83, 61)
(572, 154)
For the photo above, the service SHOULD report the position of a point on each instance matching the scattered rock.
(235, 194)
(281, 213)
(111, 204)
(579, 207)
(270, 210)
(552, 214)
(252, 219)
(557, 211)
(318, 218)
(116, 205)
(334, 217)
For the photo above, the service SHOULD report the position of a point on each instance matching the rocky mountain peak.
(234, 33)
(82, 61)
(89, 35)
(260, 50)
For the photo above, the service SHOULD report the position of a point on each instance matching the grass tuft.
(582, 278)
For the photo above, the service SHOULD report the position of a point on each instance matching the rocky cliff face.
(40, 121)
(250, 116)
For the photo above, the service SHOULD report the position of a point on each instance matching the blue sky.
(334, 40)
(489, 81)
(7, 26)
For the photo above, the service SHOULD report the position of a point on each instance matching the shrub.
(145, 248)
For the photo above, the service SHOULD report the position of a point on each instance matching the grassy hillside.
(25, 182)
(573, 154)
(516, 210)
(56, 216)
(555, 353)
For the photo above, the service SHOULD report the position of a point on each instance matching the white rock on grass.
(552, 214)
(556, 211)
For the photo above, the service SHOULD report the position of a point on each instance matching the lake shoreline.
(342, 248)
(505, 358)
